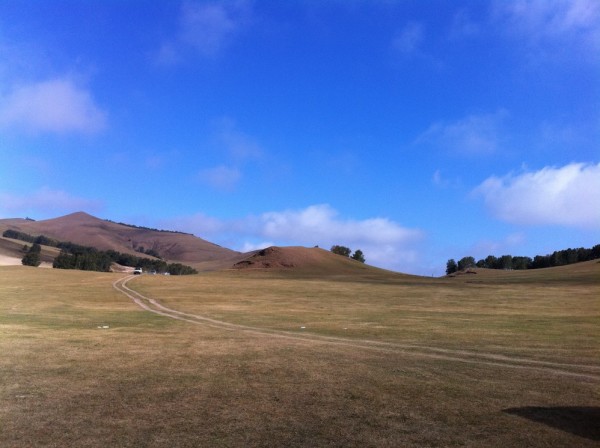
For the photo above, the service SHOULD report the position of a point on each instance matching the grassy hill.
(303, 261)
(82, 228)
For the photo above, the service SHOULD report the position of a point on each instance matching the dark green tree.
(521, 262)
(358, 256)
(451, 266)
(466, 263)
(505, 262)
(32, 257)
(491, 262)
(64, 261)
(341, 250)
(180, 269)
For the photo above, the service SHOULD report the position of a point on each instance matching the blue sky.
(416, 131)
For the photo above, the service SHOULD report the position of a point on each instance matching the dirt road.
(588, 372)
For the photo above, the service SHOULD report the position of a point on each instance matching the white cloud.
(221, 177)
(566, 196)
(320, 223)
(473, 135)
(45, 201)
(56, 105)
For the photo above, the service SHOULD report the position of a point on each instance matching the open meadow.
(290, 358)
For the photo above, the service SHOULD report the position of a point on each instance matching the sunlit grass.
(535, 318)
(152, 381)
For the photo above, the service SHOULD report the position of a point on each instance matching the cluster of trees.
(75, 256)
(345, 252)
(16, 235)
(32, 256)
(91, 259)
(180, 269)
(557, 258)
(84, 259)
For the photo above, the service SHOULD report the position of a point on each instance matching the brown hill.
(82, 228)
(304, 260)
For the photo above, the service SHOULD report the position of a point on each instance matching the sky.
(415, 131)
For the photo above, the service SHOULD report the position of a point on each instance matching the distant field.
(488, 359)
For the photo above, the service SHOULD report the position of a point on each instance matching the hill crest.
(304, 260)
(85, 229)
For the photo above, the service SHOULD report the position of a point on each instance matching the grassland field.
(490, 359)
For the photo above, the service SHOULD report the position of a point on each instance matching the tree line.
(76, 256)
(556, 258)
(147, 228)
(346, 251)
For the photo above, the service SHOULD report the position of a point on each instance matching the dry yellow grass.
(510, 313)
(152, 381)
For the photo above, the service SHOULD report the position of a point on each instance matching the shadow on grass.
(579, 420)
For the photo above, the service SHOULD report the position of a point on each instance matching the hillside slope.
(303, 260)
(82, 228)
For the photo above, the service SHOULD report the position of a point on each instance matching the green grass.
(151, 381)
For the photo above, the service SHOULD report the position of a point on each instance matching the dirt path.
(581, 371)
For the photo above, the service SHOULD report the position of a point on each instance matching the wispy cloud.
(237, 148)
(409, 39)
(206, 29)
(46, 201)
(223, 178)
(565, 196)
(198, 223)
(54, 106)
(463, 25)
(562, 25)
(441, 181)
(474, 135)
(238, 145)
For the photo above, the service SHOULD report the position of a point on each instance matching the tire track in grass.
(464, 356)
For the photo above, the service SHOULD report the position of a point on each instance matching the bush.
(32, 257)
